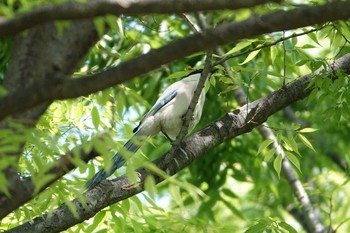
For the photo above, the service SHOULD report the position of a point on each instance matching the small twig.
(284, 60)
(312, 221)
(194, 101)
(194, 27)
(228, 57)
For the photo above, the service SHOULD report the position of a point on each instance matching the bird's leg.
(183, 118)
(127, 184)
(130, 186)
(167, 136)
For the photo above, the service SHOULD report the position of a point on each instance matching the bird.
(166, 116)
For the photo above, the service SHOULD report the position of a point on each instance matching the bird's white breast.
(169, 118)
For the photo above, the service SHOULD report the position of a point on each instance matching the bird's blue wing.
(157, 106)
(118, 160)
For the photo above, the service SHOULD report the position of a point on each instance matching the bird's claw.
(130, 186)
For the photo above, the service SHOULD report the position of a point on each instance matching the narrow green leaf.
(270, 154)
(98, 219)
(240, 46)
(179, 74)
(287, 227)
(100, 26)
(287, 144)
(277, 164)
(72, 208)
(306, 142)
(44, 180)
(150, 186)
(273, 53)
(313, 37)
(264, 145)
(293, 159)
(175, 193)
(229, 193)
(95, 117)
(250, 56)
(293, 143)
(3, 185)
(257, 228)
(307, 130)
(233, 208)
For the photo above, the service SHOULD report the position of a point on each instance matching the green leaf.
(3, 184)
(264, 145)
(293, 143)
(175, 193)
(72, 208)
(229, 193)
(179, 74)
(150, 186)
(257, 228)
(95, 117)
(287, 227)
(277, 164)
(250, 56)
(307, 130)
(97, 220)
(273, 53)
(287, 144)
(100, 26)
(293, 159)
(240, 46)
(233, 208)
(44, 180)
(306, 142)
(313, 37)
(270, 154)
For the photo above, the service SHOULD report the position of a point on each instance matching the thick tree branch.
(312, 221)
(235, 123)
(24, 189)
(29, 63)
(75, 10)
(54, 89)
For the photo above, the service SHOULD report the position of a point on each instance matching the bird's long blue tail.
(117, 161)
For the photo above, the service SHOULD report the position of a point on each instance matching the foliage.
(238, 185)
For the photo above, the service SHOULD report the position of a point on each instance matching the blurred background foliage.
(233, 187)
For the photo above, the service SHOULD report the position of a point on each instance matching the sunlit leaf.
(95, 117)
(277, 164)
(306, 142)
(287, 227)
(240, 46)
(292, 158)
(257, 228)
(150, 186)
(307, 130)
(264, 145)
(250, 56)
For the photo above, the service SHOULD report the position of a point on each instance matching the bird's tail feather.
(117, 161)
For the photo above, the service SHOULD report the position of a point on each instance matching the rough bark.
(74, 10)
(233, 124)
(53, 89)
(40, 55)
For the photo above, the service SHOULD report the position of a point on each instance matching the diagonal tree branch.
(75, 10)
(235, 123)
(312, 221)
(54, 89)
(24, 189)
